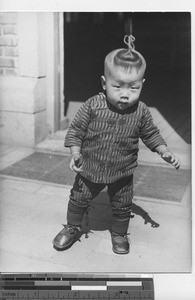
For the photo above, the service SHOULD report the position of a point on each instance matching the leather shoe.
(66, 237)
(120, 243)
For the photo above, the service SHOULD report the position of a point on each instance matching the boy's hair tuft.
(127, 59)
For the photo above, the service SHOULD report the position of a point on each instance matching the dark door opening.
(88, 37)
(162, 38)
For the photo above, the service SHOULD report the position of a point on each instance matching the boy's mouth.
(122, 105)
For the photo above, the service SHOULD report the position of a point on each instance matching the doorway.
(88, 37)
(163, 38)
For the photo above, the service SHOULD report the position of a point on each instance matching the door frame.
(55, 72)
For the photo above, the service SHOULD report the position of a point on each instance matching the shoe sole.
(61, 248)
(120, 252)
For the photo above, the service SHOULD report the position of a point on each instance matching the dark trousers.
(120, 194)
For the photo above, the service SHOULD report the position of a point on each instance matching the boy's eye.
(117, 86)
(134, 87)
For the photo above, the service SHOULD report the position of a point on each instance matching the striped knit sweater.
(109, 138)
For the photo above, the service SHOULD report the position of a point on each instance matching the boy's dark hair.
(127, 59)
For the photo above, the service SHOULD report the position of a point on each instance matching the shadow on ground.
(99, 215)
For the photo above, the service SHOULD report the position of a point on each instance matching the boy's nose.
(124, 97)
(124, 94)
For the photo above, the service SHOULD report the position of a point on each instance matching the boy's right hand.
(76, 163)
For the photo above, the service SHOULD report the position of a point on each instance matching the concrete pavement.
(32, 213)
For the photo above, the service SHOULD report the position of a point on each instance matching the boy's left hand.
(171, 159)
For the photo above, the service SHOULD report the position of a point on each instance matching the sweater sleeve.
(149, 133)
(78, 127)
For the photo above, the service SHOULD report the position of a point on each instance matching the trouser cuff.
(120, 226)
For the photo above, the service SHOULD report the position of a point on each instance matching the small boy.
(103, 140)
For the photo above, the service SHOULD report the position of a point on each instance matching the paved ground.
(32, 213)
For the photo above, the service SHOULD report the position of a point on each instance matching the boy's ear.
(103, 81)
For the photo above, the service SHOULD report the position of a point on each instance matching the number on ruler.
(113, 294)
(124, 295)
(73, 295)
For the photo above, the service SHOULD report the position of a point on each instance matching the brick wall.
(8, 44)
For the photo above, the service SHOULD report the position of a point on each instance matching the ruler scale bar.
(90, 287)
(78, 286)
(124, 283)
(19, 276)
(124, 288)
(101, 294)
(54, 283)
(89, 282)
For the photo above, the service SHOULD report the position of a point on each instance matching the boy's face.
(123, 89)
